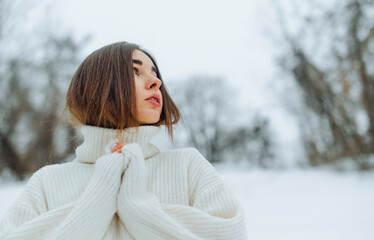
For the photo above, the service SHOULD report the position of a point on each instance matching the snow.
(290, 204)
(307, 204)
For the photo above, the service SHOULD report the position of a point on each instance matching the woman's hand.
(118, 147)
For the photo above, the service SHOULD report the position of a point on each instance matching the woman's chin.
(148, 121)
(151, 117)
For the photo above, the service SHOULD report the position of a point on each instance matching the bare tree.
(209, 112)
(32, 86)
(329, 58)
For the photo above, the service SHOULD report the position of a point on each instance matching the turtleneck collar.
(97, 138)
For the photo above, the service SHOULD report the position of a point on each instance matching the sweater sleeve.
(86, 218)
(214, 214)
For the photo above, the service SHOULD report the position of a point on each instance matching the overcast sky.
(220, 38)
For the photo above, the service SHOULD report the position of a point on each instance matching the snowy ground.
(293, 204)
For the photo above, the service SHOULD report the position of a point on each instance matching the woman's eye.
(136, 71)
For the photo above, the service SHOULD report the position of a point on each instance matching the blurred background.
(277, 95)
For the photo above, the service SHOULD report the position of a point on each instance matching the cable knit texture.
(141, 193)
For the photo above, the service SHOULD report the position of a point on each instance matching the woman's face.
(147, 89)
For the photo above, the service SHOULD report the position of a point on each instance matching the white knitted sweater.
(141, 193)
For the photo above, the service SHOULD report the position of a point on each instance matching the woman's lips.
(156, 104)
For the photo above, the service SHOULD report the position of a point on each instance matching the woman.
(120, 186)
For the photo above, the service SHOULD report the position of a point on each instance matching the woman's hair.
(102, 91)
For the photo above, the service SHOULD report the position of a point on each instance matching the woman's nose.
(154, 82)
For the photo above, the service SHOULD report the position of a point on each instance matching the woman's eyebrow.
(137, 61)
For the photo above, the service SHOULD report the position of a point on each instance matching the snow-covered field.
(292, 204)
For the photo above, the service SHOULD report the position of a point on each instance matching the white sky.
(221, 38)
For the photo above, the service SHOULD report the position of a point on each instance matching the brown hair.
(102, 91)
